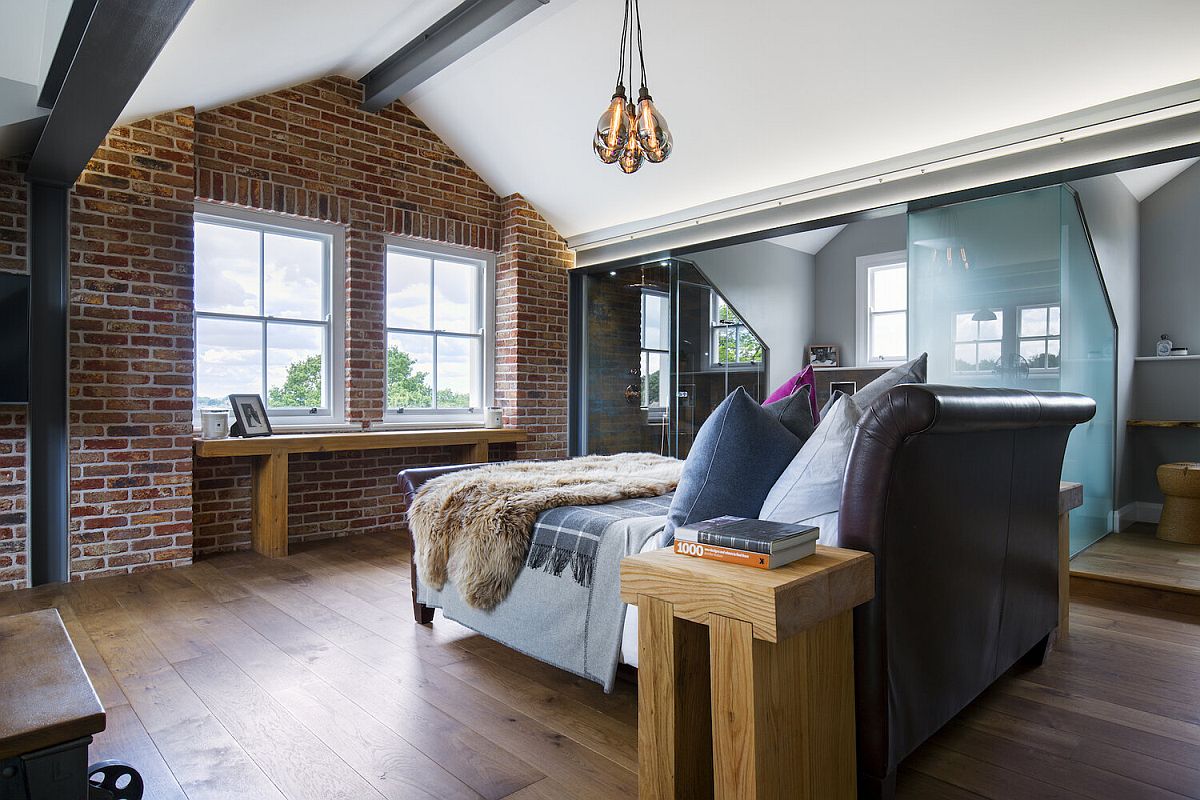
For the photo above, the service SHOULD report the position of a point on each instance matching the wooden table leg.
(477, 453)
(783, 713)
(674, 722)
(1064, 575)
(268, 506)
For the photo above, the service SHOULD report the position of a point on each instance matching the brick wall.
(131, 350)
(310, 151)
(138, 500)
(531, 329)
(13, 564)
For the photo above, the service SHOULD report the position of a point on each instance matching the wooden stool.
(1180, 485)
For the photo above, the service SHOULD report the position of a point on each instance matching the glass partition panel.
(1088, 366)
(662, 348)
(1005, 291)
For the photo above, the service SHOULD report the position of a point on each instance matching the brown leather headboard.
(955, 492)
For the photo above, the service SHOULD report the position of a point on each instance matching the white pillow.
(811, 485)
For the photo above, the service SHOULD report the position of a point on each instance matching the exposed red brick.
(13, 495)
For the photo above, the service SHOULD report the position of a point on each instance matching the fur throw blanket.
(475, 525)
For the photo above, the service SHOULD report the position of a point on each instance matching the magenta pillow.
(804, 377)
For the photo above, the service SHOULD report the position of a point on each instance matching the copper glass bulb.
(652, 132)
(632, 156)
(614, 130)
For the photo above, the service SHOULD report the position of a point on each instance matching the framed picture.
(251, 415)
(845, 387)
(823, 355)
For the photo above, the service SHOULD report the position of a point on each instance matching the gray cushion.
(738, 455)
(795, 412)
(910, 372)
(811, 485)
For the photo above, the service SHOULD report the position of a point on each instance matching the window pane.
(458, 386)
(656, 316)
(889, 335)
(965, 328)
(1054, 315)
(226, 269)
(295, 366)
(228, 360)
(989, 356)
(889, 288)
(656, 380)
(410, 370)
(1033, 322)
(992, 329)
(456, 303)
(724, 312)
(964, 358)
(1052, 353)
(749, 347)
(408, 292)
(294, 276)
(1034, 351)
(726, 345)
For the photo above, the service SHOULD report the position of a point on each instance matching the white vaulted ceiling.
(758, 93)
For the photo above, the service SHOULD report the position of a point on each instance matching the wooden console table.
(746, 676)
(269, 481)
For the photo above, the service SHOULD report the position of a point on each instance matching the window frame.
(1001, 314)
(864, 316)
(654, 411)
(447, 417)
(1045, 339)
(333, 239)
(716, 326)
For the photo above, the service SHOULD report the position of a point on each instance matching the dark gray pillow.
(739, 453)
(910, 372)
(795, 412)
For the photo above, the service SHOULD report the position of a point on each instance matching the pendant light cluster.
(627, 136)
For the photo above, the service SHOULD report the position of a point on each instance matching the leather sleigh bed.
(954, 490)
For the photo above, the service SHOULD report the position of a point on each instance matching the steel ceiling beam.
(447, 40)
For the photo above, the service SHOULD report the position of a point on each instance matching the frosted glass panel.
(1005, 292)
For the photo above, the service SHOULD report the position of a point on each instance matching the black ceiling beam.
(64, 53)
(119, 44)
(443, 43)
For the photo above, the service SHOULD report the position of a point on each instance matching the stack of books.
(752, 542)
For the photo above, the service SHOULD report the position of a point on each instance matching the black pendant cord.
(637, 5)
(624, 38)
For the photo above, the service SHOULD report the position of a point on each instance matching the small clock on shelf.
(1162, 348)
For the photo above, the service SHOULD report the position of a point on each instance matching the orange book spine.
(728, 555)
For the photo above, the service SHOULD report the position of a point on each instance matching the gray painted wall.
(772, 288)
(1112, 217)
(835, 277)
(1170, 303)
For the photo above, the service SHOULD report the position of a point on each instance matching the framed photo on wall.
(823, 355)
(251, 415)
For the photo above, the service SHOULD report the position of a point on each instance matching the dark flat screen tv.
(14, 338)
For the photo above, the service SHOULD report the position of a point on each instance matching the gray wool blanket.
(565, 607)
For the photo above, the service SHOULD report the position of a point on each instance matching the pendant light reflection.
(625, 135)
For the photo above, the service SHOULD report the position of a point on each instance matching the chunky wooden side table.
(746, 676)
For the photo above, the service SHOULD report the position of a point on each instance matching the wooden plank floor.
(305, 677)
(1137, 558)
